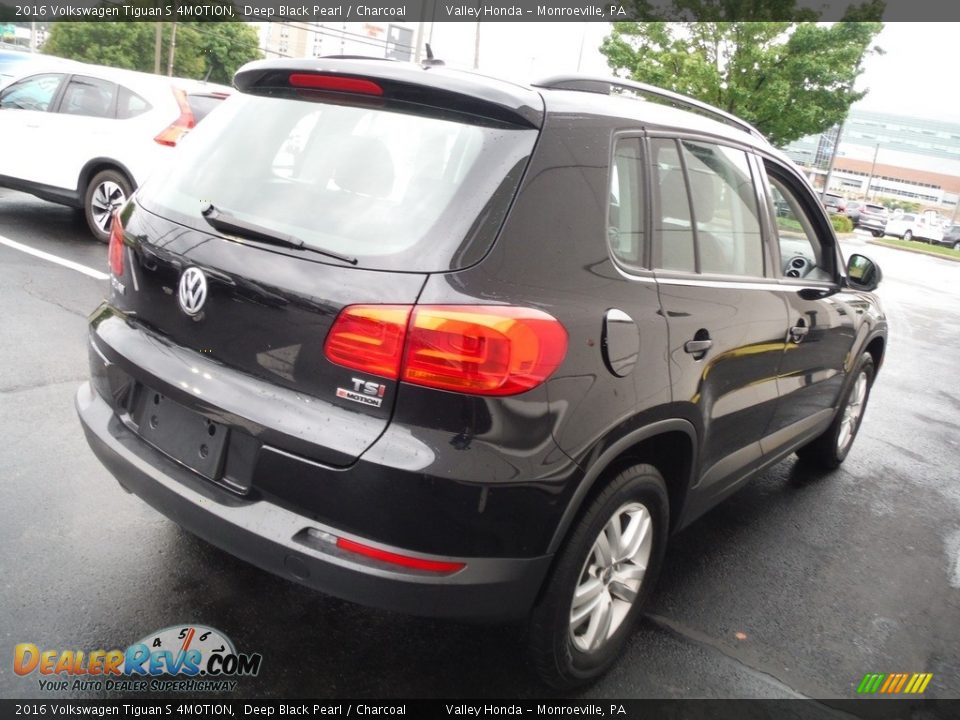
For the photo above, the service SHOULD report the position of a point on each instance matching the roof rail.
(606, 85)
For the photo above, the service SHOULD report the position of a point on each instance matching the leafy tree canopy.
(790, 77)
(212, 50)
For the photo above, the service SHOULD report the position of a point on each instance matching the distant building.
(887, 155)
(394, 40)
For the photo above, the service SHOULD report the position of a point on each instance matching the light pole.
(873, 167)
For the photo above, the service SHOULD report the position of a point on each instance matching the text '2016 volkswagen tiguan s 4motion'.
(455, 347)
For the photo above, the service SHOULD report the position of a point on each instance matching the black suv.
(456, 347)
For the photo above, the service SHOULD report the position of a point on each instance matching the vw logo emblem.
(193, 291)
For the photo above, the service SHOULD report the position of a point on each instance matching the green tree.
(212, 50)
(790, 77)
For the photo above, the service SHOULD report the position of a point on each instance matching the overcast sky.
(916, 76)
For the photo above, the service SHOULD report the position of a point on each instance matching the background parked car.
(911, 226)
(852, 210)
(86, 136)
(870, 216)
(951, 237)
(834, 203)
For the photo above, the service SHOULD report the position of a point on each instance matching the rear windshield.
(396, 190)
(201, 104)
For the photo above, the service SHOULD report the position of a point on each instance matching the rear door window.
(90, 97)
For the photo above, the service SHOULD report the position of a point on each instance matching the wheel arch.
(669, 445)
(876, 348)
(97, 165)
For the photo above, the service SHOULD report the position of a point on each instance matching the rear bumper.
(291, 545)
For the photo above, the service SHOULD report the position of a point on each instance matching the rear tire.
(956, 245)
(908, 235)
(832, 447)
(593, 596)
(106, 193)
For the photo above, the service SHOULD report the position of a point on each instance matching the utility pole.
(873, 167)
(157, 44)
(173, 49)
(833, 159)
(476, 47)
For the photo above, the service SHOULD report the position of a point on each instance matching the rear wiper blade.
(226, 222)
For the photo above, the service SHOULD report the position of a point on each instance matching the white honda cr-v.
(86, 136)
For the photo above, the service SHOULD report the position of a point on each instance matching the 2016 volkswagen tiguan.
(456, 347)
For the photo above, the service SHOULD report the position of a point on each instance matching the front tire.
(832, 447)
(601, 580)
(106, 193)
(908, 235)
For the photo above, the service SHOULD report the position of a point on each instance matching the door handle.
(695, 347)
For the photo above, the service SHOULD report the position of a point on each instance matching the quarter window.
(89, 97)
(625, 214)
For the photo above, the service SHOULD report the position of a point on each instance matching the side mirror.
(863, 273)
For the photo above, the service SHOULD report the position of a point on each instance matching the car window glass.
(35, 93)
(725, 210)
(129, 104)
(89, 97)
(672, 229)
(801, 253)
(625, 214)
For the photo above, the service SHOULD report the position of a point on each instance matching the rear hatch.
(292, 204)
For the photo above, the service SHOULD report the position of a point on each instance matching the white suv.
(86, 136)
(913, 226)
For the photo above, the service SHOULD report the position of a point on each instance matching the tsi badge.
(364, 391)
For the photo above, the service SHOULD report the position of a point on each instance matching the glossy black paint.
(452, 475)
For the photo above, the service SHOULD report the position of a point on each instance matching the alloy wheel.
(611, 577)
(107, 198)
(852, 412)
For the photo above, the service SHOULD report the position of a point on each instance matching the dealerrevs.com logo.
(180, 658)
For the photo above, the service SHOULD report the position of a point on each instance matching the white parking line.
(96, 274)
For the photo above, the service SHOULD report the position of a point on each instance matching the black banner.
(472, 10)
(430, 709)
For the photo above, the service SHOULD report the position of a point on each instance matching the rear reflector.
(474, 349)
(116, 246)
(182, 125)
(401, 560)
(335, 83)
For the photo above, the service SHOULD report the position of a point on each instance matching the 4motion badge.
(364, 391)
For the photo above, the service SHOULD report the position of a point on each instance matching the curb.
(915, 251)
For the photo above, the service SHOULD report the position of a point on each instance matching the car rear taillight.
(182, 125)
(116, 246)
(335, 83)
(475, 349)
(369, 338)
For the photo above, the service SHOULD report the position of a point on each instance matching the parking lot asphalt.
(796, 586)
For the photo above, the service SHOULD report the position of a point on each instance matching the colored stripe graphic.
(894, 683)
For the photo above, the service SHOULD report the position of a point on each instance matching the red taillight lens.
(476, 349)
(369, 338)
(116, 246)
(489, 350)
(335, 83)
(395, 559)
(182, 125)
